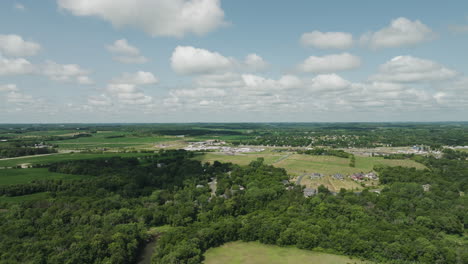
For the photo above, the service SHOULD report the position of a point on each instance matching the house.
(426, 187)
(308, 192)
(357, 176)
(372, 176)
(316, 176)
(338, 176)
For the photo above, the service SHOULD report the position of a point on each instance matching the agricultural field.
(256, 253)
(46, 159)
(22, 176)
(24, 198)
(301, 166)
(298, 164)
(111, 140)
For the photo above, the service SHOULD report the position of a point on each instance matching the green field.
(297, 164)
(64, 157)
(22, 176)
(24, 198)
(256, 253)
(106, 140)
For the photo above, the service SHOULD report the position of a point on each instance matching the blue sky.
(232, 61)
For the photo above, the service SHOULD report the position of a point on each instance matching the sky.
(128, 61)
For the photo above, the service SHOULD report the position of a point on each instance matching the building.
(308, 192)
(338, 176)
(426, 187)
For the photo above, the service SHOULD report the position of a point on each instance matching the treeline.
(104, 219)
(404, 224)
(23, 151)
(327, 152)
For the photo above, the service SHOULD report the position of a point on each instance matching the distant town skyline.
(137, 61)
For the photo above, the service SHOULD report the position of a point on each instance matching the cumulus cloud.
(254, 62)
(155, 17)
(125, 53)
(137, 78)
(190, 60)
(66, 73)
(329, 82)
(17, 66)
(330, 63)
(14, 45)
(222, 80)
(99, 101)
(327, 40)
(412, 69)
(400, 32)
(125, 89)
(8, 88)
(19, 6)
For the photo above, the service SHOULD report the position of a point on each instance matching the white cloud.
(400, 32)
(14, 45)
(327, 40)
(19, 6)
(190, 60)
(125, 89)
(254, 62)
(19, 98)
(330, 63)
(8, 88)
(126, 53)
(17, 66)
(137, 78)
(66, 73)
(155, 17)
(329, 82)
(412, 69)
(99, 101)
(223, 80)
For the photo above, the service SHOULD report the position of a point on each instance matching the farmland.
(22, 176)
(256, 253)
(63, 157)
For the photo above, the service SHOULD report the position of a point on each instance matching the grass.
(24, 198)
(240, 159)
(256, 253)
(297, 164)
(22, 176)
(64, 157)
(102, 140)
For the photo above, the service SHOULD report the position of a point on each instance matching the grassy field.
(24, 198)
(256, 253)
(21, 176)
(297, 164)
(105, 140)
(64, 157)
(241, 159)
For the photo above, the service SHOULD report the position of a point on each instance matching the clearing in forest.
(256, 253)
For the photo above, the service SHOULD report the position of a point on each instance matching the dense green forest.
(105, 218)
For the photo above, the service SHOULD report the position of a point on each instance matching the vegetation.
(254, 252)
(105, 207)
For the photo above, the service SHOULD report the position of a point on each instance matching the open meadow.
(46, 159)
(256, 253)
(22, 176)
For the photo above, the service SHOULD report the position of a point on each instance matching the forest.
(105, 218)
